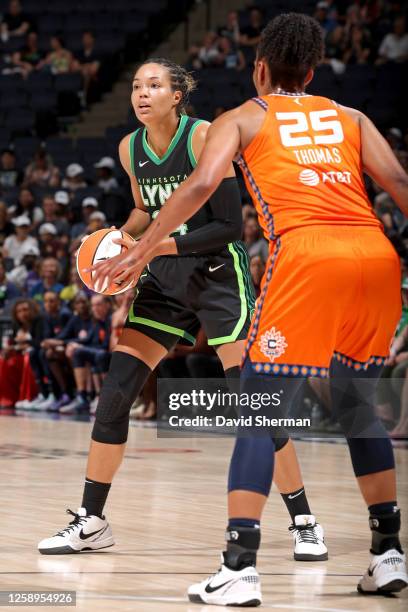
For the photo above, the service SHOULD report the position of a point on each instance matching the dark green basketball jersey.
(159, 177)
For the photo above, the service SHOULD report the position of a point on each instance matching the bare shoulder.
(124, 151)
(353, 113)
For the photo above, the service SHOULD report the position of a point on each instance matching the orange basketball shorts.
(328, 291)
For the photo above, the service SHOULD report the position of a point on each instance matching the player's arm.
(379, 162)
(138, 219)
(225, 204)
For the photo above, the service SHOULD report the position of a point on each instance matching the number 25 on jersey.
(309, 127)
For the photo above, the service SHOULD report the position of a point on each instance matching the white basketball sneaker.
(387, 573)
(228, 588)
(85, 533)
(308, 538)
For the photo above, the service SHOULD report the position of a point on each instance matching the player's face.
(152, 96)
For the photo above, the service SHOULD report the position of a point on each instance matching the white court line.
(184, 600)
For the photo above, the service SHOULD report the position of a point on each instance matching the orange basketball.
(97, 247)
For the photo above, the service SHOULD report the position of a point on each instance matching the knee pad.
(251, 467)
(371, 455)
(123, 383)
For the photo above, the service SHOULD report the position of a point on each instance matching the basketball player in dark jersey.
(200, 278)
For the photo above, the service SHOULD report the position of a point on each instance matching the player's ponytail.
(180, 79)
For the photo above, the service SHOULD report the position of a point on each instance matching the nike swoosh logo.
(213, 269)
(141, 164)
(86, 536)
(297, 495)
(210, 589)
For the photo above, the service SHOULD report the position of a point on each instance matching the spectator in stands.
(105, 179)
(75, 331)
(53, 321)
(52, 215)
(257, 269)
(41, 172)
(15, 22)
(15, 244)
(15, 372)
(231, 28)
(74, 178)
(230, 56)
(335, 44)
(75, 287)
(8, 291)
(10, 175)
(88, 61)
(250, 35)
(327, 21)
(50, 271)
(394, 46)
(26, 206)
(6, 227)
(97, 221)
(359, 47)
(30, 56)
(205, 55)
(254, 242)
(89, 205)
(50, 244)
(60, 60)
(93, 351)
(25, 275)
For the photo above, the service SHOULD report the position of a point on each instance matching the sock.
(385, 524)
(83, 395)
(243, 538)
(296, 503)
(95, 495)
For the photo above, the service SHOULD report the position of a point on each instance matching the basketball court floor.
(167, 508)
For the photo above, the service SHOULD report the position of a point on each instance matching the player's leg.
(353, 400)
(307, 534)
(134, 358)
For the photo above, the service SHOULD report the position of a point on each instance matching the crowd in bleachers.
(57, 58)
(56, 335)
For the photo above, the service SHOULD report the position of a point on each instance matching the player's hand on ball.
(120, 269)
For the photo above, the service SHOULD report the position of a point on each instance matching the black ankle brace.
(242, 546)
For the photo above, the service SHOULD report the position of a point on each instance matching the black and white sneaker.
(308, 538)
(387, 573)
(85, 533)
(228, 588)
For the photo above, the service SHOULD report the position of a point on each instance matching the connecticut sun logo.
(273, 344)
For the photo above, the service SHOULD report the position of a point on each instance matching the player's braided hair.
(180, 79)
(291, 44)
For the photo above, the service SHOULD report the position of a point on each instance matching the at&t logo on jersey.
(272, 344)
(311, 178)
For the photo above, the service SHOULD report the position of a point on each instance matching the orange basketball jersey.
(304, 166)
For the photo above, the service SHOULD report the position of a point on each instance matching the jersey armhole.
(191, 155)
(132, 151)
(260, 103)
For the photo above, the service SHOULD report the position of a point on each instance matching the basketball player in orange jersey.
(173, 300)
(330, 297)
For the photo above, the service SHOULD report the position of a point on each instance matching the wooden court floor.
(167, 510)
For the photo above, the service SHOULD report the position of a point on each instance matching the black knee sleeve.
(123, 383)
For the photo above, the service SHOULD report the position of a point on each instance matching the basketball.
(97, 247)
